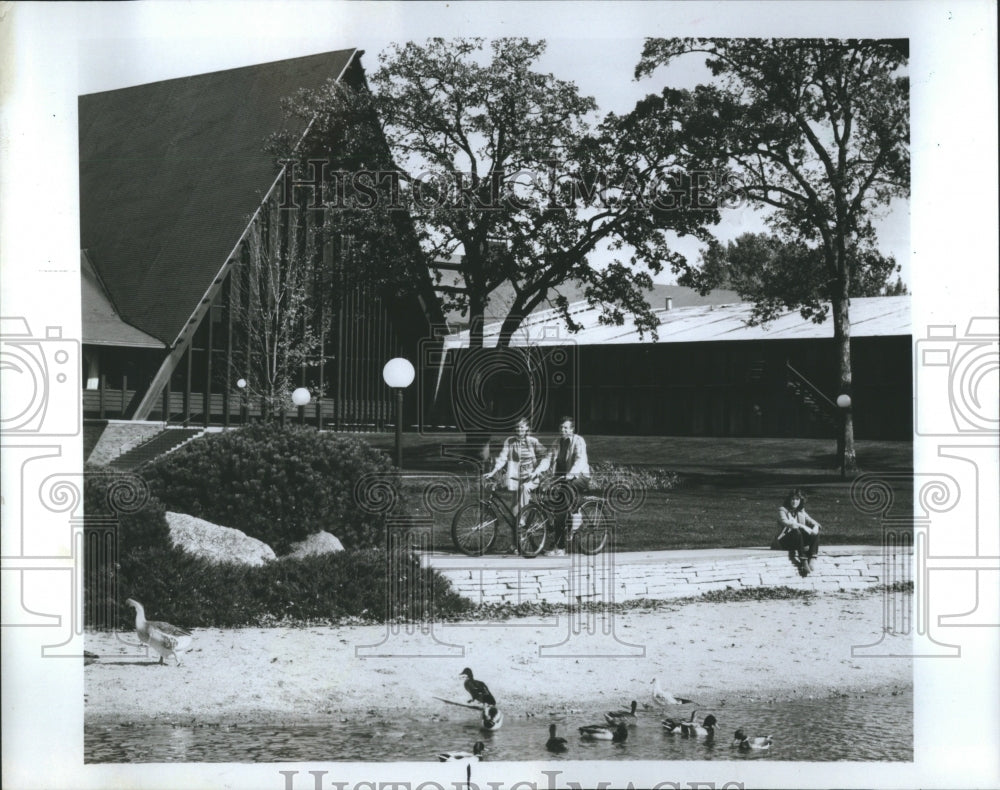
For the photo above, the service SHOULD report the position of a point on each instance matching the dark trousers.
(566, 495)
(796, 541)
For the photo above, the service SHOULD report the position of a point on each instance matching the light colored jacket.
(800, 520)
(576, 458)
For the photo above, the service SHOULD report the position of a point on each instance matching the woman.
(521, 454)
(800, 532)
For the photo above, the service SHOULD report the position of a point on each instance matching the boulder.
(215, 543)
(317, 543)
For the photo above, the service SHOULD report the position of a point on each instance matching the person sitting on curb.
(799, 535)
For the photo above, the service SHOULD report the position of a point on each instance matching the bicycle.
(589, 525)
(475, 526)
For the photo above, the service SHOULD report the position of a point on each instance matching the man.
(568, 459)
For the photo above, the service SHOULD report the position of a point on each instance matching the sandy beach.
(711, 652)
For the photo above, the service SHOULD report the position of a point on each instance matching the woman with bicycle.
(521, 454)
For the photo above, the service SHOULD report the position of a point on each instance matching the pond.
(859, 728)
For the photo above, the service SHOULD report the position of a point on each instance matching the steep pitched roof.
(170, 173)
(101, 323)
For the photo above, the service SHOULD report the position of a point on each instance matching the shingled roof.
(170, 173)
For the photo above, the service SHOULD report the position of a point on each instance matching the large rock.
(317, 543)
(216, 544)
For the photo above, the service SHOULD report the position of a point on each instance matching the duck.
(554, 744)
(673, 726)
(492, 717)
(478, 691)
(704, 730)
(661, 697)
(745, 743)
(166, 639)
(622, 716)
(605, 732)
(458, 756)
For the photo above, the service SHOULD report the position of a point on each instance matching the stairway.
(821, 408)
(164, 442)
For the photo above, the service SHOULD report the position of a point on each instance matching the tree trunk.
(847, 460)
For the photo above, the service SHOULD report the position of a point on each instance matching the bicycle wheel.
(595, 526)
(532, 530)
(474, 528)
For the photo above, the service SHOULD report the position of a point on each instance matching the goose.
(478, 690)
(164, 638)
(605, 732)
(704, 730)
(661, 697)
(622, 716)
(673, 725)
(554, 744)
(459, 756)
(492, 717)
(746, 743)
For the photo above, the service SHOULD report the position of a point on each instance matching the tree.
(818, 132)
(498, 162)
(778, 275)
(274, 311)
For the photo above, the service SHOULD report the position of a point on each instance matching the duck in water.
(554, 744)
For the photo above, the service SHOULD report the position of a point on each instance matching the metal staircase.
(809, 395)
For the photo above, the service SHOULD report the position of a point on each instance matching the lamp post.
(301, 398)
(398, 373)
(844, 404)
(242, 384)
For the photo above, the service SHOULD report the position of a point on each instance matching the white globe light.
(301, 396)
(398, 373)
(844, 401)
(241, 383)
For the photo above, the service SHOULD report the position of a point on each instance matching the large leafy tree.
(501, 164)
(779, 275)
(817, 131)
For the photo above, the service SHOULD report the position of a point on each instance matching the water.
(856, 729)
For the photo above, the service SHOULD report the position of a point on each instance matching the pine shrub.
(275, 483)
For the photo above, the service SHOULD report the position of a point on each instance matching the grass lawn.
(728, 490)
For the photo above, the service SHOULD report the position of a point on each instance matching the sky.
(601, 67)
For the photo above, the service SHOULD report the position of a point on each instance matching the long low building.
(708, 372)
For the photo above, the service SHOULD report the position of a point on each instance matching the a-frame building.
(175, 187)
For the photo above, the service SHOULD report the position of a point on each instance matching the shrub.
(275, 483)
(141, 539)
(607, 474)
(191, 592)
